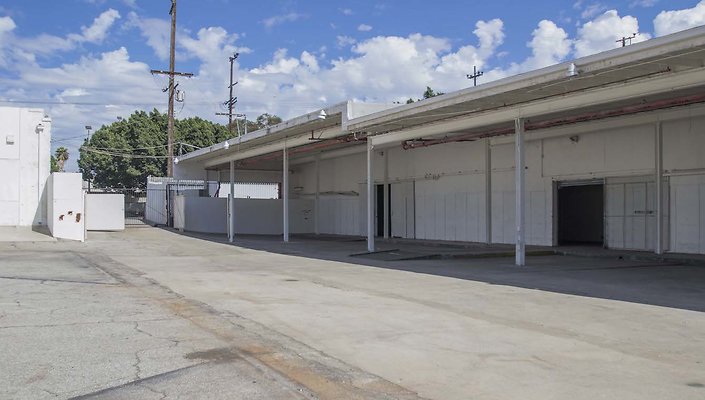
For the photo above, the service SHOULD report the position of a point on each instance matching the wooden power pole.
(171, 73)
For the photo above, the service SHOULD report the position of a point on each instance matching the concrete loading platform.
(671, 280)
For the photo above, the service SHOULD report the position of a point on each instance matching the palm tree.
(62, 154)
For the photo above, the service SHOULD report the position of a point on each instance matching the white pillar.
(285, 190)
(520, 194)
(488, 192)
(231, 204)
(317, 200)
(659, 188)
(386, 194)
(370, 199)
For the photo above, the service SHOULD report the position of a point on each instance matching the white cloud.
(280, 19)
(6, 25)
(98, 30)
(643, 3)
(602, 33)
(346, 11)
(364, 28)
(678, 20)
(130, 3)
(550, 45)
(345, 41)
(589, 10)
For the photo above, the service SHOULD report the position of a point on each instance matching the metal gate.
(135, 203)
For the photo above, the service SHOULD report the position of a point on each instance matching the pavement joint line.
(42, 280)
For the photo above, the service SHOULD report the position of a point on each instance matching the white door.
(402, 209)
(630, 215)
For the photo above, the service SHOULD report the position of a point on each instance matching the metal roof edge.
(610, 58)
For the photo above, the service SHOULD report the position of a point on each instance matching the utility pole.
(475, 74)
(624, 39)
(231, 100)
(171, 73)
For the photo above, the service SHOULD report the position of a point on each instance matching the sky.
(87, 62)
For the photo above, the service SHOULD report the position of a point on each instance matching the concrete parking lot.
(150, 313)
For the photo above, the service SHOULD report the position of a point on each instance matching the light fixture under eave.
(226, 145)
(176, 160)
(322, 114)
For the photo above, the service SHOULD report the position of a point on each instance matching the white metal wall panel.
(630, 214)
(339, 215)
(450, 208)
(688, 214)
(614, 215)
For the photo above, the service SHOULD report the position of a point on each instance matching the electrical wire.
(116, 154)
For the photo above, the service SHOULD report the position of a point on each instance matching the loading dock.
(447, 166)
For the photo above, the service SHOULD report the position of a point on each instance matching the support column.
(659, 187)
(231, 204)
(370, 199)
(285, 190)
(520, 193)
(488, 192)
(386, 194)
(317, 199)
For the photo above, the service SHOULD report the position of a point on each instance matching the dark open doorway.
(581, 214)
(379, 189)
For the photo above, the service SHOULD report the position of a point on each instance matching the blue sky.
(88, 61)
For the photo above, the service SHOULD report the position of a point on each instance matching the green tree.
(126, 152)
(261, 122)
(430, 93)
(427, 94)
(61, 155)
(53, 164)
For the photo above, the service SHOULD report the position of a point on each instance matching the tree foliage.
(53, 164)
(427, 94)
(261, 122)
(60, 156)
(126, 152)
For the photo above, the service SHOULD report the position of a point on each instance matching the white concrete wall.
(449, 181)
(105, 212)
(252, 216)
(24, 166)
(66, 206)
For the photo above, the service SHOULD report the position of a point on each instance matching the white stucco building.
(25, 151)
(611, 149)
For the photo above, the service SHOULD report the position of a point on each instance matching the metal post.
(386, 194)
(520, 194)
(370, 200)
(317, 200)
(231, 204)
(285, 190)
(488, 192)
(659, 188)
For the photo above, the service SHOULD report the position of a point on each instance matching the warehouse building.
(25, 151)
(611, 149)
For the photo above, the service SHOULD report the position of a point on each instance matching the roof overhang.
(651, 68)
